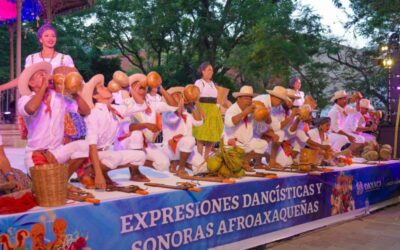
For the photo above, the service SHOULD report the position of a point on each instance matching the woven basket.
(50, 184)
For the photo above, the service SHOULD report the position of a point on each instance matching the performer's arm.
(5, 168)
(197, 111)
(239, 117)
(289, 119)
(140, 126)
(168, 98)
(83, 107)
(100, 181)
(33, 104)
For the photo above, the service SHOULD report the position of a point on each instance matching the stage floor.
(251, 212)
(121, 176)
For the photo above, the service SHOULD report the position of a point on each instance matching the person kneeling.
(238, 130)
(102, 128)
(178, 142)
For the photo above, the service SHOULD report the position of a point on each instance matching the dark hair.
(323, 120)
(293, 80)
(202, 67)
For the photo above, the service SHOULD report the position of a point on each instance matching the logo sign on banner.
(218, 215)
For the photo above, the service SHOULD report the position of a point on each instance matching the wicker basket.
(50, 184)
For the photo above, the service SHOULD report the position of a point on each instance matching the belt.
(208, 100)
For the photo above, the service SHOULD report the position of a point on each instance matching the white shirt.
(58, 60)
(278, 113)
(207, 89)
(144, 117)
(314, 136)
(102, 124)
(153, 98)
(117, 96)
(338, 118)
(174, 125)
(300, 101)
(353, 121)
(241, 132)
(46, 131)
(300, 133)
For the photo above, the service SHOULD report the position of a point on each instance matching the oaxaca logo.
(360, 188)
(373, 185)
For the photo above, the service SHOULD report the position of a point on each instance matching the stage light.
(7, 113)
(387, 62)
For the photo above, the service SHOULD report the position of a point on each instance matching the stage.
(250, 212)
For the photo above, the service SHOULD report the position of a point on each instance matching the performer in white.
(320, 133)
(300, 130)
(338, 136)
(295, 85)
(44, 111)
(146, 125)
(178, 141)
(355, 123)
(280, 121)
(239, 128)
(102, 128)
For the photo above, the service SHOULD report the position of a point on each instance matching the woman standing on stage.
(211, 131)
(47, 38)
(295, 84)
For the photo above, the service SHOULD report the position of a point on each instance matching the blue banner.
(218, 215)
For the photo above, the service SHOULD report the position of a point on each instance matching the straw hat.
(365, 103)
(279, 92)
(138, 77)
(26, 75)
(339, 94)
(245, 90)
(88, 88)
(291, 93)
(173, 90)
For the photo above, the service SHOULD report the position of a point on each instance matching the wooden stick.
(263, 175)
(127, 189)
(207, 178)
(177, 187)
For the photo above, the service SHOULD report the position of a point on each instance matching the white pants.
(64, 153)
(153, 152)
(114, 159)
(255, 144)
(337, 141)
(187, 145)
(368, 137)
(297, 144)
(358, 137)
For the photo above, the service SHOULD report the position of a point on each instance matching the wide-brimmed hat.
(138, 77)
(23, 79)
(173, 90)
(339, 94)
(245, 90)
(279, 92)
(87, 92)
(291, 93)
(365, 103)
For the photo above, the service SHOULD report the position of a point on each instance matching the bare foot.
(172, 167)
(139, 177)
(109, 181)
(182, 172)
(275, 165)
